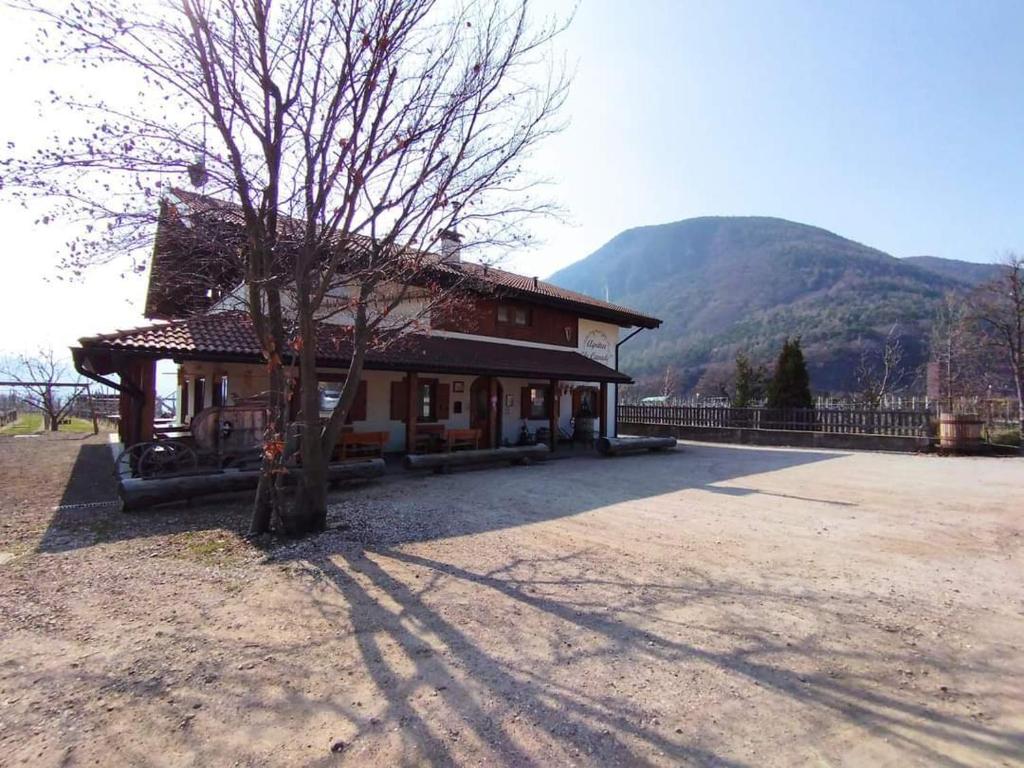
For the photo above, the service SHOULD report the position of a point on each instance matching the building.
(522, 354)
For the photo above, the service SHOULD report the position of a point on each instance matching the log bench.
(442, 463)
(360, 445)
(137, 493)
(616, 446)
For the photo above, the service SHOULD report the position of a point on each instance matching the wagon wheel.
(127, 462)
(166, 457)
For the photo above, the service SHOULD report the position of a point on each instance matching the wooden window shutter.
(443, 401)
(524, 403)
(398, 400)
(358, 410)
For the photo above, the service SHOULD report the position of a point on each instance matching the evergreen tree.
(790, 387)
(748, 386)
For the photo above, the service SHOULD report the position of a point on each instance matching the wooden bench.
(352, 445)
(429, 438)
(463, 440)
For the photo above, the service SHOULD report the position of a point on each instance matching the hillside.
(968, 272)
(725, 283)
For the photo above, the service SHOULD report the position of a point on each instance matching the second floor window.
(513, 315)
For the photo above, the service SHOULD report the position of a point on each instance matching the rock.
(338, 746)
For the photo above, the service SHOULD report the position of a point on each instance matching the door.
(480, 404)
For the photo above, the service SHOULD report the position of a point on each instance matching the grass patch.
(31, 423)
(1004, 437)
(27, 424)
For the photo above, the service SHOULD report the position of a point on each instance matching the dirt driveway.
(719, 606)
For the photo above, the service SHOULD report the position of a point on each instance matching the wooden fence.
(835, 421)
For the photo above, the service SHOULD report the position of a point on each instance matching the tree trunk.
(308, 511)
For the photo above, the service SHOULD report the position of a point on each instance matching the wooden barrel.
(960, 431)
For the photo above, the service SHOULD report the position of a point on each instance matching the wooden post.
(92, 409)
(411, 403)
(492, 413)
(553, 413)
(603, 399)
(147, 383)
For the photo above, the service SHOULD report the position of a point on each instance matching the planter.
(960, 432)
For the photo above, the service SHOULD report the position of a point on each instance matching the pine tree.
(790, 387)
(748, 385)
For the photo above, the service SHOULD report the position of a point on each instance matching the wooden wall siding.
(547, 325)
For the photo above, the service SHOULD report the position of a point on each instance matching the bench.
(463, 440)
(353, 445)
(429, 438)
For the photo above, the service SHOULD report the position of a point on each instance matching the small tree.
(36, 382)
(748, 383)
(790, 386)
(880, 375)
(999, 307)
(670, 383)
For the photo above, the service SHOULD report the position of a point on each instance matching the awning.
(229, 337)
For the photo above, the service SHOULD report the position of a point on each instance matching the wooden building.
(523, 356)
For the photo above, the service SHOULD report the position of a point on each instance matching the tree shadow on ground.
(430, 649)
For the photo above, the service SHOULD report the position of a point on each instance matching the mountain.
(722, 284)
(967, 272)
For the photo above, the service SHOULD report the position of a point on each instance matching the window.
(427, 401)
(220, 390)
(514, 315)
(539, 403)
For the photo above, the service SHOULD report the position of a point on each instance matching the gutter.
(619, 344)
(78, 357)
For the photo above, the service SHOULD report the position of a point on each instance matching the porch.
(421, 393)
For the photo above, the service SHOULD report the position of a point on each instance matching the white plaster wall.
(511, 421)
(378, 406)
(597, 341)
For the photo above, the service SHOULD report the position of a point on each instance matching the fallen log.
(443, 462)
(139, 493)
(615, 446)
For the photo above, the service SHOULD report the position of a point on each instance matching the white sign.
(597, 346)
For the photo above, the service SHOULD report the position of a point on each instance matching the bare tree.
(41, 382)
(349, 137)
(999, 307)
(881, 374)
(670, 383)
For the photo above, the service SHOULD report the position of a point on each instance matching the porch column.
(553, 413)
(603, 405)
(137, 412)
(411, 402)
(492, 412)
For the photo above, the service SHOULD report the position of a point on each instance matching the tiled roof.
(169, 277)
(230, 336)
(504, 282)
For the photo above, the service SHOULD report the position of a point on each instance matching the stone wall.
(794, 439)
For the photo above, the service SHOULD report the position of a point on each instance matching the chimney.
(450, 242)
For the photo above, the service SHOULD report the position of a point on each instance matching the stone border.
(781, 437)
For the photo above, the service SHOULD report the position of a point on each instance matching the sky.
(898, 125)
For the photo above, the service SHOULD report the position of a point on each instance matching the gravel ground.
(716, 606)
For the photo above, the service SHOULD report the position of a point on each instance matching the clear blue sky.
(897, 125)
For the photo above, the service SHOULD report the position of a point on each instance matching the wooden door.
(480, 406)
